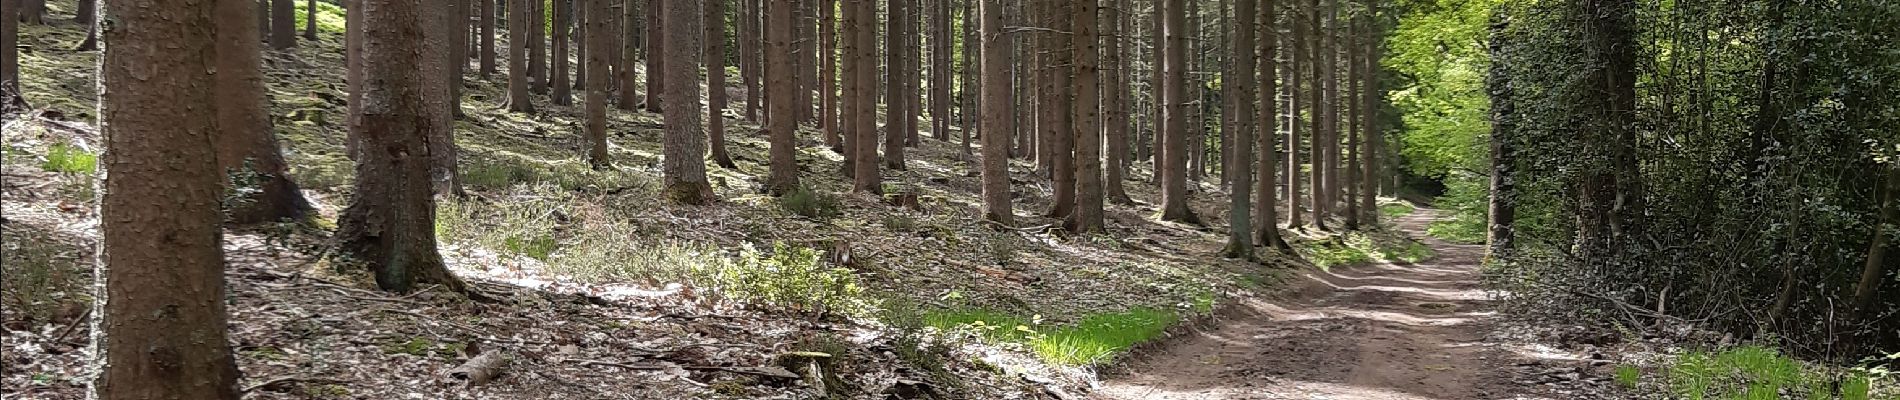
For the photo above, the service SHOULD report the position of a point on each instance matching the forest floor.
(1382, 330)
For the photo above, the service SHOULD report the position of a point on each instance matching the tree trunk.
(1266, 208)
(283, 24)
(1238, 170)
(715, 11)
(656, 54)
(828, 119)
(310, 20)
(1605, 195)
(940, 69)
(11, 99)
(1196, 133)
(1061, 143)
(537, 46)
(749, 53)
(1294, 75)
(599, 20)
(487, 61)
(895, 98)
(563, 28)
(623, 35)
(1087, 132)
(33, 12)
(1875, 269)
(805, 60)
(1503, 206)
(444, 102)
(161, 329)
(967, 96)
(1350, 171)
(783, 131)
(684, 142)
(1115, 103)
(250, 164)
(389, 226)
(518, 38)
(1157, 88)
(1318, 164)
(1369, 102)
(850, 88)
(865, 177)
(996, 105)
(1174, 202)
(87, 11)
(353, 71)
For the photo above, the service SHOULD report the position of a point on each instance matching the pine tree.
(599, 20)
(997, 101)
(1239, 168)
(715, 38)
(518, 38)
(1174, 203)
(563, 31)
(684, 143)
(783, 131)
(1087, 132)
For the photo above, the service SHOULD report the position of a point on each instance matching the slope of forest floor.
(609, 293)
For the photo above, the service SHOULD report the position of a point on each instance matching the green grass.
(1094, 339)
(330, 18)
(68, 159)
(1460, 228)
(1396, 209)
(1757, 372)
(1356, 248)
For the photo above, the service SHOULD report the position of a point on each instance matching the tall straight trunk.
(1500, 237)
(161, 329)
(487, 62)
(1174, 202)
(1192, 99)
(563, 28)
(625, 34)
(11, 99)
(828, 74)
(807, 59)
(250, 163)
(33, 12)
(1266, 207)
(581, 12)
(283, 24)
(1369, 117)
(455, 27)
(783, 131)
(1320, 111)
(537, 47)
(389, 226)
(996, 105)
(940, 68)
(865, 177)
(1044, 15)
(1349, 173)
(440, 51)
(743, 26)
(896, 100)
(1223, 59)
(1115, 103)
(657, 54)
(518, 38)
(849, 87)
(715, 11)
(1610, 198)
(1333, 106)
(1061, 144)
(1087, 133)
(968, 90)
(1295, 74)
(353, 71)
(597, 31)
(310, 24)
(1239, 168)
(684, 145)
(87, 11)
(1156, 88)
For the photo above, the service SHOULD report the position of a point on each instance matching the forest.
(949, 199)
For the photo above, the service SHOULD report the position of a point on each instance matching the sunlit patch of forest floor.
(609, 292)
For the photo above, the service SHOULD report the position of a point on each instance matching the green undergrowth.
(1394, 209)
(330, 17)
(1093, 339)
(1751, 373)
(1359, 247)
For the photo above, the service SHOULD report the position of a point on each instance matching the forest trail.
(1377, 331)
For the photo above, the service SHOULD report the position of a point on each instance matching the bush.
(1756, 372)
(793, 277)
(810, 203)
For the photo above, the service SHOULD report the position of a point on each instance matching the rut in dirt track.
(1380, 331)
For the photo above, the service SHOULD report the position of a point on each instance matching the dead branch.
(481, 369)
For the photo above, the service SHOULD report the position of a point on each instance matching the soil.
(1375, 331)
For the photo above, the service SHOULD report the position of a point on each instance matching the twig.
(72, 326)
(291, 379)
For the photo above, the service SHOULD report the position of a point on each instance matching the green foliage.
(41, 276)
(1395, 209)
(1466, 200)
(68, 159)
(1757, 372)
(1628, 376)
(792, 277)
(330, 17)
(1093, 340)
(810, 203)
(1358, 247)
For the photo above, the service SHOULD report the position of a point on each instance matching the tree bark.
(389, 226)
(806, 59)
(161, 326)
(283, 24)
(940, 69)
(1061, 144)
(828, 75)
(1238, 170)
(1875, 270)
(715, 11)
(895, 97)
(11, 99)
(1115, 103)
(1499, 238)
(445, 105)
(1369, 102)
(1086, 217)
(684, 142)
(866, 177)
(537, 46)
(1196, 133)
(310, 20)
(657, 54)
(750, 39)
(518, 38)
(250, 165)
(1295, 75)
(996, 105)
(1349, 174)
(487, 60)
(1319, 164)
(1266, 208)
(599, 25)
(778, 59)
(1174, 157)
(563, 27)
(1156, 87)
(33, 12)
(624, 36)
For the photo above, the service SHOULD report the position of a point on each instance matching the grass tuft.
(1095, 339)
(1758, 372)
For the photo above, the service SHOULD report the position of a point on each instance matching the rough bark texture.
(996, 105)
(487, 62)
(1500, 236)
(806, 58)
(563, 27)
(1087, 133)
(623, 35)
(1115, 103)
(518, 98)
(1295, 75)
(389, 226)
(750, 40)
(1061, 103)
(1369, 101)
(1238, 168)
(778, 58)
(1321, 109)
(310, 24)
(1874, 270)
(283, 24)
(940, 69)
(828, 74)
(1192, 99)
(10, 99)
(1608, 197)
(1157, 143)
(1349, 174)
(250, 164)
(1174, 202)
(896, 98)
(599, 20)
(849, 87)
(440, 60)
(715, 11)
(160, 330)
(454, 24)
(865, 176)
(684, 142)
(537, 46)
(657, 54)
(1266, 207)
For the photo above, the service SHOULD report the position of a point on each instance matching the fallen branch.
(774, 372)
(274, 382)
(481, 369)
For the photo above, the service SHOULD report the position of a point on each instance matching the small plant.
(1757, 372)
(810, 203)
(1095, 339)
(41, 277)
(794, 277)
(1394, 210)
(1628, 376)
(900, 222)
(68, 159)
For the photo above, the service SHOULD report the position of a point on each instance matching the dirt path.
(1380, 331)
